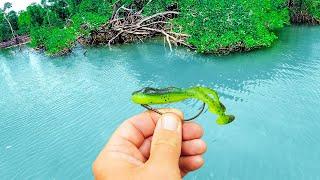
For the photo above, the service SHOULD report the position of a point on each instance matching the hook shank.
(189, 119)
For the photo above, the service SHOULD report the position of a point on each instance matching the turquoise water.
(56, 114)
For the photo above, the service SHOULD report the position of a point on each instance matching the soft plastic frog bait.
(150, 96)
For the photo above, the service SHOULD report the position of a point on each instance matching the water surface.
(57, 113)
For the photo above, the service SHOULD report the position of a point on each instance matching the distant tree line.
(53, 24)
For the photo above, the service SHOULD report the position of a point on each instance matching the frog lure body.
(153, 96)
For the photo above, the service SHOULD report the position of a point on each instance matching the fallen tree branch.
(113, 38)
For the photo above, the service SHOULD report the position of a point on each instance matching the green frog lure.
(151, 96)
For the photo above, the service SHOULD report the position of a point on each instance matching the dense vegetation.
(223, 26)
(212, 26)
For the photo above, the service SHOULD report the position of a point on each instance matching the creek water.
(57, 113)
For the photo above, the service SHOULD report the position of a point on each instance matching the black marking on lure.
(150, 90)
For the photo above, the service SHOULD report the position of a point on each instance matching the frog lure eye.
(152, 96)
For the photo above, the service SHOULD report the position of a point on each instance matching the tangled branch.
(127, 25)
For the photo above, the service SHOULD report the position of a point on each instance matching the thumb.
(166, 141)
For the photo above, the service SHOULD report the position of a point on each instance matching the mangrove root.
(127, 25)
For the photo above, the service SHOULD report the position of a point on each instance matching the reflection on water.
(56, 113)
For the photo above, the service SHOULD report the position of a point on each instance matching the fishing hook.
(157, 111)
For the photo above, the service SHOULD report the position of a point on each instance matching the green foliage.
(92, 14)
(58, 33)
(38, 35)
(36, 14)
(215, 25)
(59, 39)
(59, 7)
(73, 6)
(158, 6)
(53, 19)
(52, 39)
(84, 23)
(24, 22)
(93, 6)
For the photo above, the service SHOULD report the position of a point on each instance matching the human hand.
(152, 146)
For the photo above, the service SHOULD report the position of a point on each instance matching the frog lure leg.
(151, 96)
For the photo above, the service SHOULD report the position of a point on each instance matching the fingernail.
(169, 122)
